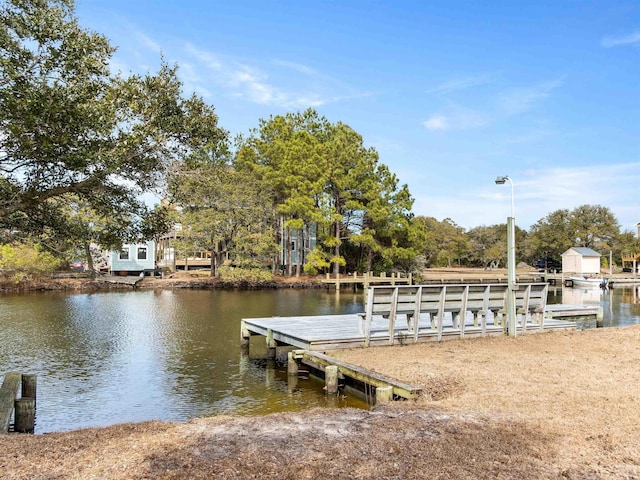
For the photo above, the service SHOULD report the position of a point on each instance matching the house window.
(142, 253)
(124, 254)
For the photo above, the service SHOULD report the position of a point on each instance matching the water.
(620, 306)
(106, 358)
(113, 357)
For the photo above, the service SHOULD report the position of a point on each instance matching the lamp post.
(511, 262)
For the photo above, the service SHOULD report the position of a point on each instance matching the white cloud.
(520, 100)
(436, 122)
(147, 41)
(632, 39)
(461, 84)
(456, 119)
(537, 193)
(295, 66)
(241, 80)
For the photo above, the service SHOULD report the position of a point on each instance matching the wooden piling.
(384, 395)
(271, 345)
(331, 379)
(29, 386)
(245, 335)
(25, 415)
(292, 365)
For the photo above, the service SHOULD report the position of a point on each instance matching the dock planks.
(334, 332)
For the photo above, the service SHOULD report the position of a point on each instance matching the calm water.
(621, 306)
(105, 358)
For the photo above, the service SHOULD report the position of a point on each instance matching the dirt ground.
(550, 405)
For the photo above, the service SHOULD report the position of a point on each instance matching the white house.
(581, 260)
(133, 258)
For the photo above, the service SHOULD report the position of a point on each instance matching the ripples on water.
(106, 358)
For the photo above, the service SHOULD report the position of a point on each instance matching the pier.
(366, 280)
(433, 313)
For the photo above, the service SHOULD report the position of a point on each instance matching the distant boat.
(591, 282)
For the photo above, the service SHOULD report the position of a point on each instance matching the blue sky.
(450, 93)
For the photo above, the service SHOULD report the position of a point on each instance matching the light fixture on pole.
(511, 262)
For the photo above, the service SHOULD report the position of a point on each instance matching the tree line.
(80, 144)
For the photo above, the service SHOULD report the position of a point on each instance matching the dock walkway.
(366, 279)
(334, 332)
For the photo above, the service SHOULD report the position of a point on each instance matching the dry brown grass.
(553, 405)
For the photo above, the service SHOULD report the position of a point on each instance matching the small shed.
(581, 260)
(134, 258)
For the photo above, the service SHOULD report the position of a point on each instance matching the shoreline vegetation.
(178, 280)
(546, 405)
(200, 279)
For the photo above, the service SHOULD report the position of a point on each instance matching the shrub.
(235, 274)
(26, 261)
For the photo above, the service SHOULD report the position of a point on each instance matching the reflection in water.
(620, 306)
(106, 358)
(114, 357)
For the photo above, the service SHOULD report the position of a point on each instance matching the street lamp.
(511, 262)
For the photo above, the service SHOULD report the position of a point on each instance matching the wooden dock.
(366, 279)
(583, 312)
(122, 280)
(381, 383)
(334, 332)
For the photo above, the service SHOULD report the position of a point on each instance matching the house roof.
(583, 251)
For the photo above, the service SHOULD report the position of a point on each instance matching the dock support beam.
(245, 335)
(331, 379)
(271, 345)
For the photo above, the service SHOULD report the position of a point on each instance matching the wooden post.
(245, 335)
(292, 365)
(384, 395)
(271, 345)
(25, 417)
(331, 379)
(8, 393)
(600, 317)
(29, 386)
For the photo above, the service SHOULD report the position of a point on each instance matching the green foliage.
(26, 261)
(223, 209)
(626, 244)
(322, 174)
(317, 260)
(72, 130)
(254, 250)
(590, 226)
(442, 244)
(235, 274)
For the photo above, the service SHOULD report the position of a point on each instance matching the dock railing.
(431, 302)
